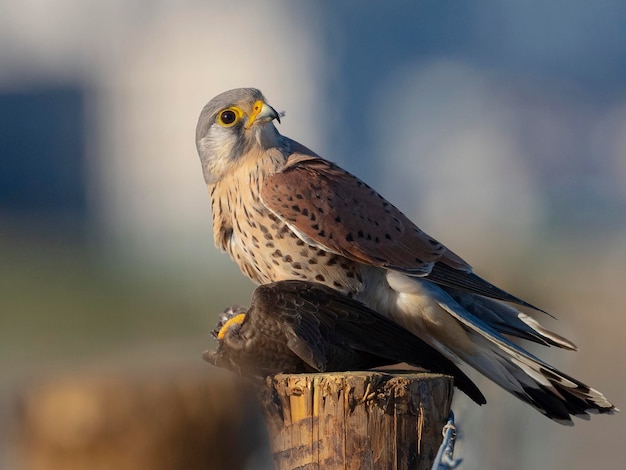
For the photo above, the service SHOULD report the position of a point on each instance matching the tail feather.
(508, 320)
(546, 335)
(553, 393)
(558, 395)
(470, 328)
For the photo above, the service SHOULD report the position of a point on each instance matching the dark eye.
(228, 117)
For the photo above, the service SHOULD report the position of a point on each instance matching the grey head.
(231, 125)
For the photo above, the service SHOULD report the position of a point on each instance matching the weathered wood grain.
(356, 420)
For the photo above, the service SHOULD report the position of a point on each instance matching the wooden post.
(356, 420)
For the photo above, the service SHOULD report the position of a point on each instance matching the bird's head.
(231, 125)
(228, 324)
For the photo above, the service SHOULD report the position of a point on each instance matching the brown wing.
(330, 331)
(330, 208)
(333, 209)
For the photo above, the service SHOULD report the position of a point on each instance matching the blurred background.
(499, 127)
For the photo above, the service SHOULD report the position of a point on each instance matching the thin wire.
(444, 460)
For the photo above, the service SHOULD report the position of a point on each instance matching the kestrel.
(282, 212)
(300, 326)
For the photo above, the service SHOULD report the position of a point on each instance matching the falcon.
(300, 326)
(284, 213)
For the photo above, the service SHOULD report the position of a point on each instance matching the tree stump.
(356, 420)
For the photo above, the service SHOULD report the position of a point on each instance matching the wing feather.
(316, 319)
(327, 206)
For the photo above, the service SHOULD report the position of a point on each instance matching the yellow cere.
(233, 321)
(256, 109)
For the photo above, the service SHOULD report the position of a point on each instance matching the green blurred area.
(71, 303)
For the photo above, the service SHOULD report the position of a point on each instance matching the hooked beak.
(262, 113)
